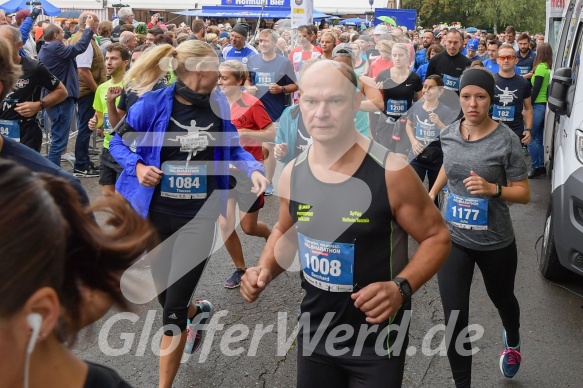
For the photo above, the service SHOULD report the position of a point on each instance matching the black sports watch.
(405, 289)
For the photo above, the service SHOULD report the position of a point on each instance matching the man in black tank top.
(339, 205)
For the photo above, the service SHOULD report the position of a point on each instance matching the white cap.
(380, 29)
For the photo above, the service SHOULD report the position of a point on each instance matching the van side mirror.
(558, 89)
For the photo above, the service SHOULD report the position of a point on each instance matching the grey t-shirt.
(497, 158)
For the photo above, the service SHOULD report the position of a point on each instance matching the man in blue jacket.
(60, 60)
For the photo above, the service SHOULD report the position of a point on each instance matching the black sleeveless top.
(348, 238)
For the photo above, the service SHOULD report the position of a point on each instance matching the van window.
(575, 60)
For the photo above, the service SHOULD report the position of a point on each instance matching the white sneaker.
(68, 157)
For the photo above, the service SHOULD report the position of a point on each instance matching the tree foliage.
(524, 15)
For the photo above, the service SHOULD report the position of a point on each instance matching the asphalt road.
(239, 356)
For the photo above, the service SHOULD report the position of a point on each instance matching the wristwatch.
(283, 89)
(404, 289)
(528, 129)
(498, 191)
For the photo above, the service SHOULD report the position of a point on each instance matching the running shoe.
(510, 359)
(68, 157)
(235, 280)
(195, 330)
(269, 190)
(89, 171)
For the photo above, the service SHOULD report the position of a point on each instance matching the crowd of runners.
(194, 120)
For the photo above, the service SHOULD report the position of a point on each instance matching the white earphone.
(35, 321)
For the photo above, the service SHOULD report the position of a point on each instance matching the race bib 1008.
(327, 265)
(467, 212)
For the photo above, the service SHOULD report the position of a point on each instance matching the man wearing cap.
(373, 52)
(239, 50)
(25, 21)
(450, 64)
(472, 50)
(10, 19)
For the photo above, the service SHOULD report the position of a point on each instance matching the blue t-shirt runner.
(278, 70)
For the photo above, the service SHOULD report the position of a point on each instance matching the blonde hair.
(157, 61)
(331, 35)
(210, 38)
(386, 46)
(10, 71)
(236, 68)
(401, 46)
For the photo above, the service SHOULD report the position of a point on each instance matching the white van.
(563, 139)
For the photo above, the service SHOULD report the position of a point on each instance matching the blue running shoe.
(269, 190)
(195, 330)
(235, 280)
(510, 359)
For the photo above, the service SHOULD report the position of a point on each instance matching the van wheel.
(549, 265)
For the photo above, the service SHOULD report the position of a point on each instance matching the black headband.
(481, 78)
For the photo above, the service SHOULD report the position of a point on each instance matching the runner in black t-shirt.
(19, 109)
(399, 86)
(450, 64)
(512, 103)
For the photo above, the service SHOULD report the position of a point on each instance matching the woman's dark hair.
(47, 239)
(438, 80)
(544, 53)
(434, 48)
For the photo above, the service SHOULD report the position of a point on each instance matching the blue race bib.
(106, 123)
(181, 181)
(396, 107)
(522, 70)
(264, 79)
(503, 113)
(425, 131)
(10, 128)
(451, 83)
(467, 212)
(328, 266)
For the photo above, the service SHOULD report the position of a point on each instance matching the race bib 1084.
(183, 182)
(327, 265)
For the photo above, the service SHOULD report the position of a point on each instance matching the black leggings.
(431, 176)
(178, 264)
(498, 269)
(317, 371)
